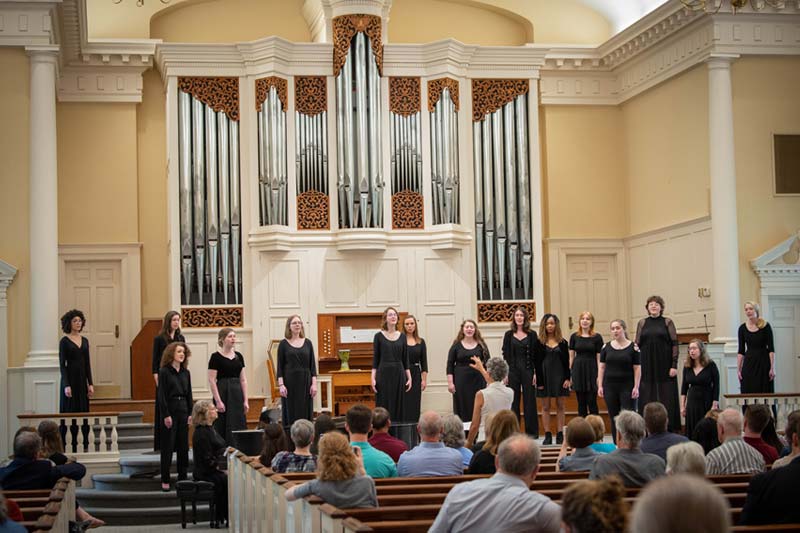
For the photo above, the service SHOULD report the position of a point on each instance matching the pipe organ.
(443, 108)
(271, 110)
(405, 145)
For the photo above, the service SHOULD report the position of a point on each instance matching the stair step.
(115, 516)
(134, 464)
(123, 482)
(126, 499)
(130, 417)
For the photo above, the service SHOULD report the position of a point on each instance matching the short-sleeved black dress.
(466, 379)
(418, 363)
(76, 373)
(701, 391)
(756, 347)
(296, 366)
(390, 360)
(584, 367)
(231, 394)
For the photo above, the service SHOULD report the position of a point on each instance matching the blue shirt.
(376, 463)
(430, 459)
(466, 455)
(658, 443)
(581, 459)
(603, 447)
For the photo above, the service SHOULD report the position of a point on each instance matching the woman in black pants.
(208, 447)
(519, 348)
(175, 404)
(170, 332)
(619, 373)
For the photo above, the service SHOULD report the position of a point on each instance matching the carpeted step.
(130, 417)
(125, 483)
(122, 516)
(125, 499)
(135, 464)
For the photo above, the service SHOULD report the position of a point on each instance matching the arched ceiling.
(623, 13)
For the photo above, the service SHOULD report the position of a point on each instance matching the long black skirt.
(413, 398)
(665, 392)
(755, 373)
(233, 419)
(468, 381)
(390, 380)
(298, 402)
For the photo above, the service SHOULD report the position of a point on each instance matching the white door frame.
(128, 255)
(559, 249)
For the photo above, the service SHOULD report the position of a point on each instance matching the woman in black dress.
(76, 365)
(756, 357)
(584, 356)
(619, 373)
(700, 389)
(175, 399)
(418, 364)
(520, 345)
(553, 375)
(658, 341)
(228, 384)
(297, 373)
(391, 377)
(170, 332)
(207, 449)
(463, 381)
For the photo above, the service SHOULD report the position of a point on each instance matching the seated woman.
(502, 425)
(300, 460)
(453, 437)
(599, 433)
(596, 506)
(580, 437)
(322, 424)
(341, 479)
(686, 458)
(495, 397)
(705, 432)
(274, 441)
(208, 447)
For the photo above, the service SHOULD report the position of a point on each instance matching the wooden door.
(94, 287)
(785, 320)
(592, 286)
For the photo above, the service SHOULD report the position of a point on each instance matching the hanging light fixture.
(713, 6)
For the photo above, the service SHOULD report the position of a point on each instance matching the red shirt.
(388, 445)
(770, 454)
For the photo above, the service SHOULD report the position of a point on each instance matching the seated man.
(658, 439)
(734, 455)
(791, 426)
(502, 502)
(772, 496)
(380, 439)
(358, 423)
(633, 466)
(28, 472)
(756, 418)
(431, 457)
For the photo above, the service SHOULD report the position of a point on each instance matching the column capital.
(720, 60)
(43, 52)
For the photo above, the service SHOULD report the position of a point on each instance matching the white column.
(43, 208)
(7, 273)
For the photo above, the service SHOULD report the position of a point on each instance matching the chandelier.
(713, 6)
(140, 3)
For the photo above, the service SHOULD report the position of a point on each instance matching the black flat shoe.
(559, 437)
(548, 439)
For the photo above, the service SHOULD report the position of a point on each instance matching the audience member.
(634, 467)
(7, 525)
(580, 436)
(52, 444)
(771, 437)
(594, 506)
(341, 479)
(734, 455)
(358, 423)
(500, 426)
(792, 428)
(301, 459)
(494, 397)
(502, 502)
(431, 457)
(686, 458)
(274, 441)
(453, 437)
(680, 503)
(756, 418)
(322, 424)
(705, 433)
(381, 440)
(208, 447)
(772, 496)
(658, 439)
(28, 472)
(599, 427)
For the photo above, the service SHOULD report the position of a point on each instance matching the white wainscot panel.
(439, 281)
(439, 331)
(277, 326)
(340, 287)
(284, 284)
(660, 262)
(198, 363)
(384, 280)
(640, 279)
(103, 364)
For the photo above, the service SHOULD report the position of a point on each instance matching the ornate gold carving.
(212, 317)
(503, 311)
(490, 95)
(262, 90)
(407, 210)
(221, 94)
(435, 88)
(313, 210)
(310, 95)
(345, 27)
(404, 96)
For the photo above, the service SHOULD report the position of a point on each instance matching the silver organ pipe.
(198, 185)
(236, 226)
(313, 161)
(444, 160)
(477, 162)
(184, 188)
(344, 221)
(223, 144)
(212, 201)
(272, 159)
(523, 192)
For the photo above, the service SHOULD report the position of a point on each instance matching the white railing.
(85, 434)
(783, 403)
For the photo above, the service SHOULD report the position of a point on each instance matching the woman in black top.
(228, 384)
(297, 372)
(418, 364)
(520, 345)
(207, 449)
(619, 373)
(700, 389)
(463, 381)
(584, 356)
(756, 357)
(175, 405)
(658, 341)
(553, 374)
(75, 364)
(499, 427)
(170, 332)
(391, 377)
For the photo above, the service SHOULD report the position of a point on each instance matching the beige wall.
(151, 137)
(14, 249)
(764, 102)
(218, 21)
(564, 21)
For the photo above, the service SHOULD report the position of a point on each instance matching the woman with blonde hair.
(599, 427)
(584, 356)
(597, 506)
(341, 479)
(700, 389)
(463, 380)
(228, 384)
(756, 356)
(499, 427)
(391, 376)
(686, 458)
(297, 373)
(208, 448)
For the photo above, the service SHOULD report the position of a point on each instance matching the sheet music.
(350, 335)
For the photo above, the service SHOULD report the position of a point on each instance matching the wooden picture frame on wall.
(272, 365)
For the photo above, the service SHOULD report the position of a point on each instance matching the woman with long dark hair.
(175, 405)
(520, 345)
(464, 381)
(75, 364)
(170, 332)
(391, 377)
(700, 389)
(297, 372)
(228, 384)
(554, 377)
(418, 364)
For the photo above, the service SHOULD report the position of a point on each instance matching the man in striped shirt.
(734, 455)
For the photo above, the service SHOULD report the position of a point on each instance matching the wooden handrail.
(29, 416)
(764, 395)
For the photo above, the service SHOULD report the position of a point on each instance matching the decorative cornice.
(7, 274)
(28, 23)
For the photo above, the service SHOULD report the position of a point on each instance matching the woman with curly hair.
(596, 506)
(502, 425)
(175, 408)
(341, 479)
(75, 363)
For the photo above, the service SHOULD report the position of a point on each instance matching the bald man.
(734, 455)
(431, 457)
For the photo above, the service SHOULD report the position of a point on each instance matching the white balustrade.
(782, 403)
(85, 435)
